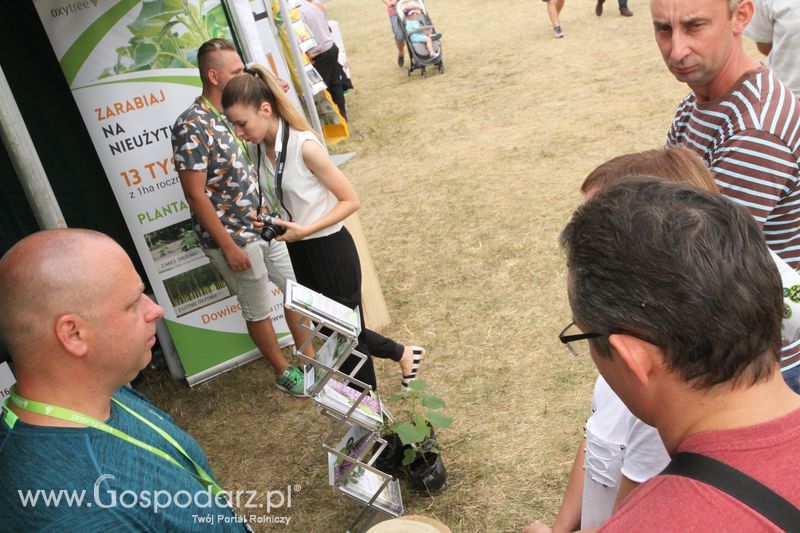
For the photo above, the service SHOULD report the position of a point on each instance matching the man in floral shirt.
(222, 190)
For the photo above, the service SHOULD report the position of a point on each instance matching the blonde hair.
(258, 85)
(672, 163)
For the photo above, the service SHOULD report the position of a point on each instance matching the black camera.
(271, 229)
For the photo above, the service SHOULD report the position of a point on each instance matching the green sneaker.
(291, 381)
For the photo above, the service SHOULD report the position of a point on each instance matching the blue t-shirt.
(419, 37)
(70, 479)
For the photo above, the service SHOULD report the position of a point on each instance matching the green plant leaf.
(433, 402)
(188, 41)
(215, 21)
(151, 29)
(408, 456)
(152, 18)
(409, 434)
(418, 385)
(166, 30)
(438, 420)
(144, 54)
(434, 449)
(421, 423)
(396, 397)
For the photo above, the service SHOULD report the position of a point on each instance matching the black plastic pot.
(428, 475)
(391, 458)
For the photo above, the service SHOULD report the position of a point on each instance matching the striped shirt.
(750, 139)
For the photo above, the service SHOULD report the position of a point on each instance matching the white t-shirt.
(304, 196)
(617, 444)
(778, 22)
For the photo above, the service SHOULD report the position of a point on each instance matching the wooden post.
(376, 315)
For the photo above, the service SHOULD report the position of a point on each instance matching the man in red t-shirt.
(675, 296)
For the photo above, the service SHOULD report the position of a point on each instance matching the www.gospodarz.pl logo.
(104, 497)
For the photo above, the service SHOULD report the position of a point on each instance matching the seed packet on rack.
(339, 398)
(336, 349)
(359, 481)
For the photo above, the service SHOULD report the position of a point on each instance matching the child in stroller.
(424, 43)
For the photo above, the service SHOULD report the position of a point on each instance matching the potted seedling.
(411, 439)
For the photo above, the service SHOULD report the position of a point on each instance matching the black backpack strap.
(737, 484)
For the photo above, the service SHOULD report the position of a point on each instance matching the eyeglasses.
(577, 342)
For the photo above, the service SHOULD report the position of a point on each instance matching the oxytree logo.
(73, 7)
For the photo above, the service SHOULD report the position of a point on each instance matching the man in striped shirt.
(740, 118)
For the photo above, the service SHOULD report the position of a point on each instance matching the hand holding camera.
(271, 229)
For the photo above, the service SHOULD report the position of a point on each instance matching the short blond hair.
(206, 53)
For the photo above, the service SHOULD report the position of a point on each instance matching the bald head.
(48, 274)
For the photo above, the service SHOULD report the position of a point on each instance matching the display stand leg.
(363, 521)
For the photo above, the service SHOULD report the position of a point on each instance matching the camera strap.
(280, 163)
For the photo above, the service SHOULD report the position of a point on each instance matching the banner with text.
(132, 69)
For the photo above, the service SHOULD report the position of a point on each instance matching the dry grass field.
(466, 179)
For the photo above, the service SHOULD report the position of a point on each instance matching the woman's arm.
(569, 514)
(318, 162)
(625, 488)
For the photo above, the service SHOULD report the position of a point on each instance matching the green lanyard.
(73, 416)
(241, 143)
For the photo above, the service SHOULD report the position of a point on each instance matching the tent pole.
(26, 161)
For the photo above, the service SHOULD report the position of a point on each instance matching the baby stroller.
(419, 58)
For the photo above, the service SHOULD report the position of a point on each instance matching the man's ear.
(741, 16)
(72, 333)
(638, 355)
(213, 77)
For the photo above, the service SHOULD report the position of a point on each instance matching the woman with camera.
(312, 198)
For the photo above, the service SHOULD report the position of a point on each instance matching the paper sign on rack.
(339, 398)
(321, 308)
(331, 354)
(362, 482)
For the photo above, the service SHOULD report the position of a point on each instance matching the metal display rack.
(356, 412)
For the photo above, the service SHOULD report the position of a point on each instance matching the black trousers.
(330, 265)
(332, 73)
